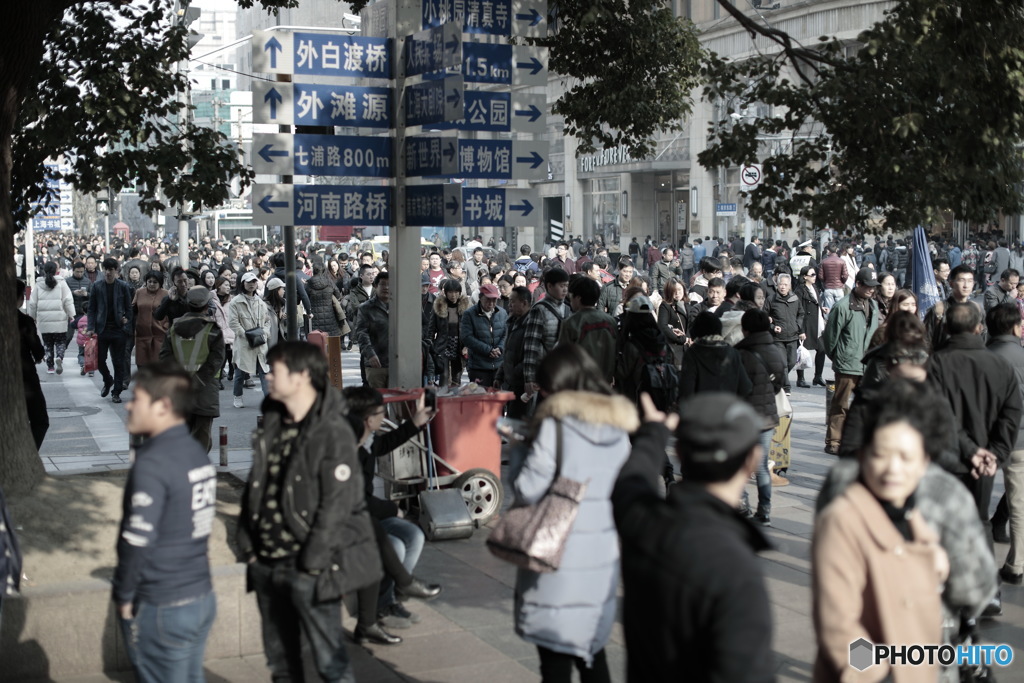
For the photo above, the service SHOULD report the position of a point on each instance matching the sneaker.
(60, 366)
(82, 372)
(763, 520)
(238, 402)
(49, 371)
(250, 384)
(92, 374)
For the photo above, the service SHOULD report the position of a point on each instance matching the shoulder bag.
(533, 536)
(256, 337)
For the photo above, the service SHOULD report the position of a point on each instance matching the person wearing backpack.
(644, 364)
(196, 342)
(594, 331)
(543, 324)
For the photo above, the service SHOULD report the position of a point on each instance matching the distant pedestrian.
(483, 331)
(52, 307)
(162, 587)
(110, 316)
(249, 312)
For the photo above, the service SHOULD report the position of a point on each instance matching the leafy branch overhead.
(925, 115)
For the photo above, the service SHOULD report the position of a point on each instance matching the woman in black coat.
(814, 324)
(672, 315)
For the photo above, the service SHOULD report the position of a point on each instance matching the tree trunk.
(26, 27)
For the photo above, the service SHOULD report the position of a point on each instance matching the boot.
(800, 382)
(999, 521)
(818, 381)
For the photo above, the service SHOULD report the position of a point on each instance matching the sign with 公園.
(485, 159)
(501, 112)
(433, 102)
(498, 64)
(326, 155)
(527, 18)
(282, 204)
(310, 104)
(337, 55)
(434, 49)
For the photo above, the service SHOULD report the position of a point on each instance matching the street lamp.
(625, 204)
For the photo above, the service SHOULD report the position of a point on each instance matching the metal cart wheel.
(482, 492)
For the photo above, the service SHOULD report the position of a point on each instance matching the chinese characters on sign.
(328, 155)
(321, 205)
(321, 54)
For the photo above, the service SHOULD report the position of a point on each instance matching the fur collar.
(597, 409)
(441, 305)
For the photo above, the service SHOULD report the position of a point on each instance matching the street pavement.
(467, 633)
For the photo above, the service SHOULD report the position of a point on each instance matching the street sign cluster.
(57, 214)
(440, 60)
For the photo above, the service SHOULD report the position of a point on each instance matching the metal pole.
(291, 280)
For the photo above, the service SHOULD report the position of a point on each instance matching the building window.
(601, 214)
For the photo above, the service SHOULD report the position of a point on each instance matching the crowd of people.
(607, 361)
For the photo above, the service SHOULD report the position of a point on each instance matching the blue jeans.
(289, 611)
(166, 642)
(241, 375)
(763, 478)
(407, 540)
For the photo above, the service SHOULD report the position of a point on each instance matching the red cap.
(489, 291)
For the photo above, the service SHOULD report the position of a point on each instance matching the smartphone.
(430, 398)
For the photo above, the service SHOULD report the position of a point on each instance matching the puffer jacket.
(321, 290)
(205, 390)
(480, 335)
(439, 332)
(325, 508)
(787, 312)
(767, 371)
(51, 308)
(511, 373)
(371, 331)
(712, 365)
(662, 272)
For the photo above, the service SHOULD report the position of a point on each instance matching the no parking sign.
(750, 176)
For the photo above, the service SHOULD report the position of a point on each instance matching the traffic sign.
(435, 101)
(493, 159)
(502, 112)
(504, 64)
(434, 49)
(308, 104)
(321, 54)
(528, 18)
(281, 204)
(751, 176)
(725, 209)
(433, 205)
(327, 155)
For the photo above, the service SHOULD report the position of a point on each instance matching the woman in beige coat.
(877, 568)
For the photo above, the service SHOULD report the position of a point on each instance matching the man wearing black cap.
(196, 342)
(851, 322)
(695, 601)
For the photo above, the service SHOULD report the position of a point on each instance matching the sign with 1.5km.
(281, 204)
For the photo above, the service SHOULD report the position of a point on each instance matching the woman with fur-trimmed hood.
(449, 306)
(569, 614)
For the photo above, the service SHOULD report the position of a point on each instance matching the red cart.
(463, 443)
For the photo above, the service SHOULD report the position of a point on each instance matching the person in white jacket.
(52, 307)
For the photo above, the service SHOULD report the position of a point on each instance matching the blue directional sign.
(477, 207)
(504, 64)
(282, 204)
(434, 49)
(321, 54)
(493, 17)
(433, 102)
(501, 112)
(489, 159)
(307, 104)
(327, 155)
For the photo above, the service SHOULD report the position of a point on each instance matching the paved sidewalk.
(467, 634)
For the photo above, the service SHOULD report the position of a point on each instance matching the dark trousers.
(484, 378)
(981, 491)
(788, 351)
(201, 429)
(288, 611)
(113, 342)
(129, 346)
(38, 418)
(556, 667)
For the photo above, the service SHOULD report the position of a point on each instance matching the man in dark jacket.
(510, 375)
(695, 604)
(110, 317)
(983, 391)
(787, 315)
(710, 364)
(482, 331)
(304, 528)
(765, 367)
(1004, 291)
(173, 306)
(196, 342)
(752, 252)
(371, 333)
(611, 293)
(170, 500)
(665, 269)
(79, 285)
(543, 325)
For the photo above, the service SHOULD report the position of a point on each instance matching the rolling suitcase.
(444, 515)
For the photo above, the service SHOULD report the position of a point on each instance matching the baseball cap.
(489, 291)
(640, 304)
(246, 277)
(425, 278)
(866, 276)
(715, 427)
(198, 296)
(274, 283)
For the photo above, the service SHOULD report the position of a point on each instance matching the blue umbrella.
(923, 281)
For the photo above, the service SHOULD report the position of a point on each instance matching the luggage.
(444, 515)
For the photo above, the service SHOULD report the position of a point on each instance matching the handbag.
(783, 404)
(533, 536)
(339, 315)
(92, 362)
(256, 337)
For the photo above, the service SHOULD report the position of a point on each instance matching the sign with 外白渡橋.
(336, 55)
(282, 204)
(487, 159)
(327, 155)
(474, 207)
(314, 104)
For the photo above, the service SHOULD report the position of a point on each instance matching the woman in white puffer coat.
(52, 307)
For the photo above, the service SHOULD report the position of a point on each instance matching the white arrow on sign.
(65, 210)
(522, 208)
(67, 223)
(272, 204)
(530, 159)
(272, 103)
